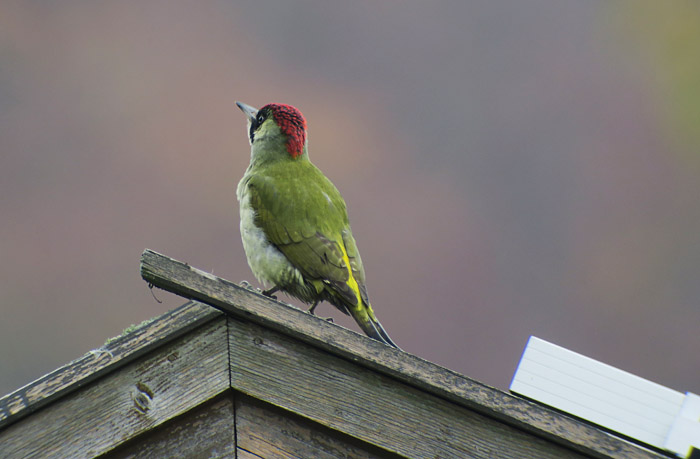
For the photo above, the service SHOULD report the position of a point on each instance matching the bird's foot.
(269, 292)
(313, 308)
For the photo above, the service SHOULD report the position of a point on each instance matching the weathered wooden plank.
(236, 301)
(367, 405)
(92, 365)
(266, 431)
(138, 397)
(206, 431)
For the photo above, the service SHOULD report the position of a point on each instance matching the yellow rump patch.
(352, 283)
(354, 286)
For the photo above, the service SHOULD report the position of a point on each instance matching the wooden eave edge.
(184, 280)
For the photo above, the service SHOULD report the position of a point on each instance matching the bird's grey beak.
(249, 111)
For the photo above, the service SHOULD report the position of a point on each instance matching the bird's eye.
(261, 118)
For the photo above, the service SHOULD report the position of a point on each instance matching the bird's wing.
(308, 223)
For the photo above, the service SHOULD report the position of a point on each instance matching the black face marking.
(257, 122)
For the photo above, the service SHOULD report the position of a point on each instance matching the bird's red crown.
(292, 124)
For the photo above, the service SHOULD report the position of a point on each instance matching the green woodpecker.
(294, 224)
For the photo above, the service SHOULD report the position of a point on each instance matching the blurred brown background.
(511, 168)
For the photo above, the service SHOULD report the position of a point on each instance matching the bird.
(294, 222)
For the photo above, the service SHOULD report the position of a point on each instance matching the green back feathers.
(304, 216)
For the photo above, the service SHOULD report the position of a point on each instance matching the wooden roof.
(264, 379)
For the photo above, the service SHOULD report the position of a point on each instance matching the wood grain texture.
(266, 431)
(92, 365)
(239, 302)
(367, 405)
(127, 403)
(205, 431)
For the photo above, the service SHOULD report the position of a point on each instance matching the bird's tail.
(370, 325)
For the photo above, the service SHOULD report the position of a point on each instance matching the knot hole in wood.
(142, 397)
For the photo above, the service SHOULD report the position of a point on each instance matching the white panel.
(685, 433)
(597, 392)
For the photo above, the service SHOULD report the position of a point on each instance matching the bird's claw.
(246, 285)
(327, 319)
(312, 309)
